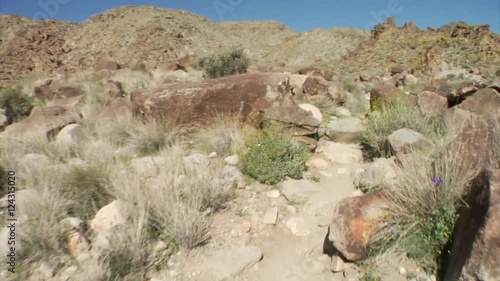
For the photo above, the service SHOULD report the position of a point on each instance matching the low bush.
(88, 188)
(423, 207)
(270, 157)
(392, 117)
(177, 205)
(16, 105)
(231, 62)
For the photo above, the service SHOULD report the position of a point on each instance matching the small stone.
(342, 171)
(291, 209)
(337, 264)
(271, 216)
(243, 227)
(326, 174)
(232, 160)
(402, 271)
(299, 226)
(213, 155)
(342, 112)
(273, 194)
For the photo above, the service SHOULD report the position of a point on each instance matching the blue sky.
(300, 15)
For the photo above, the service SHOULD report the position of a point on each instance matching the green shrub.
(392, 117)
(17, 105)
(270, 157)
(423, 207)
(87, 187)
(228, 63)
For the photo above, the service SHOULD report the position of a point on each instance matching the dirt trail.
(292, 258)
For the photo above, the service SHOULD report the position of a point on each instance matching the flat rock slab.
(227, 263)
(341, 153)
(345, 129)
(298, 190)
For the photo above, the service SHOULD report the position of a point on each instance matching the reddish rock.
(292, 117)
(431, 103)
(400, 69)
(485, 102)
(441, 88)
(475, 253)
(106, 65)
(315, 71)
(42, 122)
(354, 221)
(315, 86)
(475, 141)
(198, 102)
(389, 94)
(455, 118)
(49, 92)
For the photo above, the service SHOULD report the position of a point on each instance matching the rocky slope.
(134, 35)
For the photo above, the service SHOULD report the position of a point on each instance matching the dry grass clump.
(87, 188)
(325, 104)
(423, 206)
(40, 207)
(392, 117)
(179, 201)
(223, 136)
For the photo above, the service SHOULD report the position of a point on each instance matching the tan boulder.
(42, 122)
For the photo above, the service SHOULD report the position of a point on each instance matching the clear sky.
(300, 15)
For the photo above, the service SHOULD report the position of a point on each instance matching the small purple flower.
(438, 181)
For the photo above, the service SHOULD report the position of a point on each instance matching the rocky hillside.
(453, 49)
(155, 37)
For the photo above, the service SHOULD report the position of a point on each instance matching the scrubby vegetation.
(231, 62)
(270, 157)
(16, 105)
(224, 136)
(391, 117)
(87, 188)
(424, 204)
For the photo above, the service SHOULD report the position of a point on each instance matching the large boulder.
(431, 103)
(485, 102)
(197, 102)
(302, 122)
(42, 122)
(475, 253)
(405, 140)
(389, 94)
(476, 142)
(118, 108)
(50, 92)
(71, 134)
(381, 173)
(345, 130)
(315, 71)
(355, 220)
